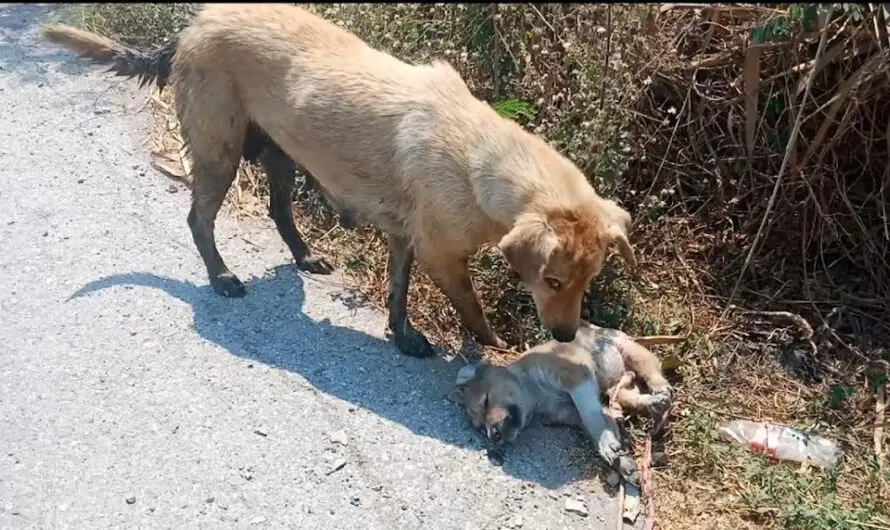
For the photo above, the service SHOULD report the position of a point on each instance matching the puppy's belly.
(559, 412)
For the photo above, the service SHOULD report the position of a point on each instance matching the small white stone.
(516, 522)
(339, 437)
(339, 464)
(576, 506)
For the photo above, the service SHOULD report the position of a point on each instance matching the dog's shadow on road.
(269, 326)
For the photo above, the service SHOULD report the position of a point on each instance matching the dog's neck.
(524, 174)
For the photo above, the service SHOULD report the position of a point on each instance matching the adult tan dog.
(405, 147)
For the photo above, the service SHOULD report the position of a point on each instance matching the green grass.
(514, 108)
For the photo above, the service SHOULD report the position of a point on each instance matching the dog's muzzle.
(564, 334)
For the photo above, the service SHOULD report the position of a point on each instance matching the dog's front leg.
(408, 340)
(281, 172)
(453, 277)
(602, 429)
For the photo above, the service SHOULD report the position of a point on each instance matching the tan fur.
(405, 147)
(81, 42)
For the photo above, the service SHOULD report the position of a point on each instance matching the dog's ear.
(618, 223)
(527, 247)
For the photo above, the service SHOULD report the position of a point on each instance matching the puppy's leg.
(602, 429)
(641, 361)
(407, 339)
(630, 398)
(281, 172)
(453, 277)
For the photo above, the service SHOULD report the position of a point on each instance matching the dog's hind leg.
(408, 340)
(211, 181)
(453, 277)
(213, 125)
(281, 172)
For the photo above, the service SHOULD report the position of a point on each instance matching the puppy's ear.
(465, 374)
(527, 247)
(618, 223)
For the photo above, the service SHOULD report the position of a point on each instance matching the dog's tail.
(125, 61)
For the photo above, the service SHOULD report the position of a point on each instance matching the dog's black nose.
(563, 334)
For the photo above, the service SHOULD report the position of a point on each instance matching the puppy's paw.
(228, 285)
(609, 447)
(627, 468)
(617, 457)
(315, 265)
(413, 344)
(658, 404)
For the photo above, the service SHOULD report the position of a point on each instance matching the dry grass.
(684, 113)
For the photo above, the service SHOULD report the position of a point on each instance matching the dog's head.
(492, 398)
(558, 252)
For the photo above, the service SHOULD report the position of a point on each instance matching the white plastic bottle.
(781, 442)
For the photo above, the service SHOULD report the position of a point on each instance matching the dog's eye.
(554, 284)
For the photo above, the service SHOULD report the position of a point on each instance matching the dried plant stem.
(605, 73)
(789, 150)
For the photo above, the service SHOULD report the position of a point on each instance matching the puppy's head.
(491, 396)
(559, 251)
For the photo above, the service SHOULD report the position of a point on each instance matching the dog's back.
(381, 135)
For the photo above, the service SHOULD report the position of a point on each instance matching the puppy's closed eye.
(513, 416)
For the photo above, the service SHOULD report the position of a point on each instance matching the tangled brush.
(714, 122)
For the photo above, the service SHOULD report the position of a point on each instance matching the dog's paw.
(228, 285)
(413, 344)
(317, 265)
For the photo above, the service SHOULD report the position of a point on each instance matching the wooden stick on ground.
(647, 485)
(880, 408)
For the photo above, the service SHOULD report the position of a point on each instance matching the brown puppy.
(561, 383)
(407, 148)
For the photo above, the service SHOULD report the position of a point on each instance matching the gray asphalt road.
(133, 396)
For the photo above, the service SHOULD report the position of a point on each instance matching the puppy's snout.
(564, 334)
